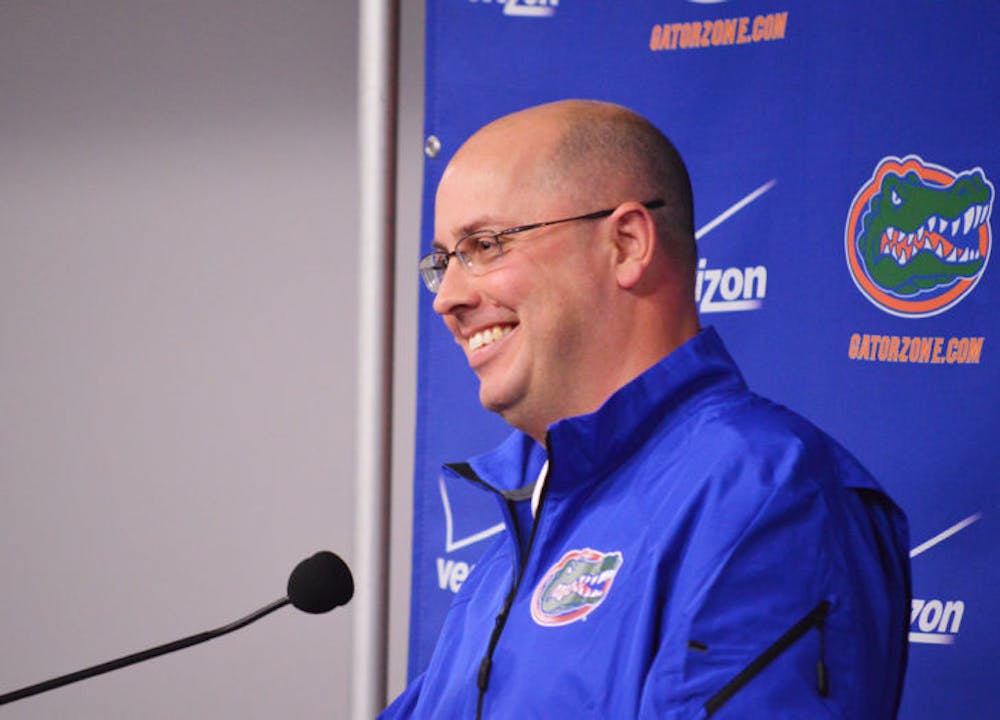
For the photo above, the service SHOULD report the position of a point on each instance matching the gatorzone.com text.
(916, 349)
(717, 33)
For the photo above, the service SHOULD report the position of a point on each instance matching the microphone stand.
(141, 656)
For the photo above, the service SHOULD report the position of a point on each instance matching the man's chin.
(492, 404)
(494, 399)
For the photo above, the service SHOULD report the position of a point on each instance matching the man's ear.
(635, 242)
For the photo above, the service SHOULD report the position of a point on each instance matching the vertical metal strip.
(377, 112)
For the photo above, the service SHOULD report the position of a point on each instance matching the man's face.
(530, 327)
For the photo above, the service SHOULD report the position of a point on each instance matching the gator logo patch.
(574, 586)
(918, 236)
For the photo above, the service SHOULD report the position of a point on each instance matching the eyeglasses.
(482, 250)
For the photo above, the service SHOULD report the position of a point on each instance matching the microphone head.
(320, 583)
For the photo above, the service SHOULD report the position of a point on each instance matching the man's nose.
(456, 290)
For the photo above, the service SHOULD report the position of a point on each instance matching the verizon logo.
(524, 8)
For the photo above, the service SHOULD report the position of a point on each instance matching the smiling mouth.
(489, 336)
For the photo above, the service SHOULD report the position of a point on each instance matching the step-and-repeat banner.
(844, 156)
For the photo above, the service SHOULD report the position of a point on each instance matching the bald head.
(600, 154)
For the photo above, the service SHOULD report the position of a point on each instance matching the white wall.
(178, 217)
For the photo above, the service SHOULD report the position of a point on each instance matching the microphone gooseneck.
(318, 584)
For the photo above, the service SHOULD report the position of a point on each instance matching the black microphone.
(318, 584)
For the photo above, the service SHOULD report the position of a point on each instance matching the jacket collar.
(582, 449)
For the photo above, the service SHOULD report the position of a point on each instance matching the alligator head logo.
(574, 586)
(918, 236)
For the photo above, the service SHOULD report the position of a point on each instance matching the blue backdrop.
(843, 156)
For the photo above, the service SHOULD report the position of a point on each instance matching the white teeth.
(953, 256)
(984, 213)
(964, 256)
(939, 252)
(932, 223)
(927, 244)
(970, 215)
(954, 226)
(488, 336)
(891, 232)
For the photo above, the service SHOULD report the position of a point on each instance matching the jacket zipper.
(486, 664)
(814, 618)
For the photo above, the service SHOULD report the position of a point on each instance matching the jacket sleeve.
(794, 618)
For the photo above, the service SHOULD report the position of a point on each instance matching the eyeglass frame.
(435, 284)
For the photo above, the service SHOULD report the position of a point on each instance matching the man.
(677, 547)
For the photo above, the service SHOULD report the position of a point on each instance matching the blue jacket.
(698, 551)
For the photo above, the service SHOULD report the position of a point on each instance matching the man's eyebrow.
(483, 224)
(478, 225)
